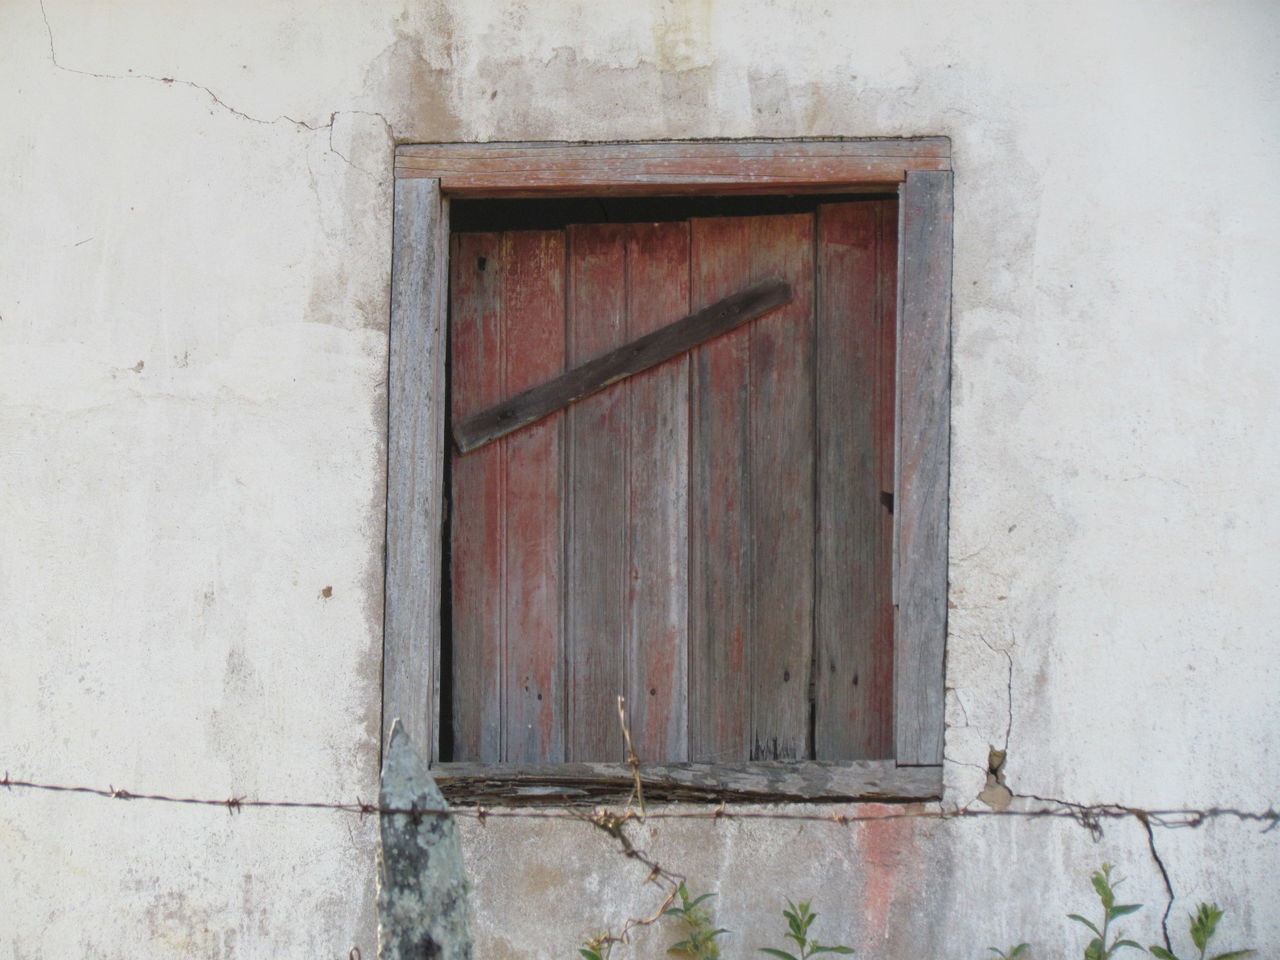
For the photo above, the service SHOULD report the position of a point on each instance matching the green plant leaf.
(1203, 924)
(780, 954)
(1234, 955)
(807, 917)
(1079, 919)
(841, 950)
(589, 954)
(1161, 952)
(1103, 888)
(1122, 909)
(1095, 950)
(1124, 943)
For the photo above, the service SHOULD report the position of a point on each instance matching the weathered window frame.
(427, 177)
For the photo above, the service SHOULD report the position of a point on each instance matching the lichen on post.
(422, 895)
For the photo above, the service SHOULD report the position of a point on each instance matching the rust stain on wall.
(887, 848)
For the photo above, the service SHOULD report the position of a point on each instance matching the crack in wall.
(170, 81)
(964, 763)
(959, 702)
(1008, 729)
(1090, 817)
(1164, 873)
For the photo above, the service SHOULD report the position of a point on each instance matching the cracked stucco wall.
(193, 299)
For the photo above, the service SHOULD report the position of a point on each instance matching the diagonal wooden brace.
(625, 361)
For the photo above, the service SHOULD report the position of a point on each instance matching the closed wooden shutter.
(711, 538)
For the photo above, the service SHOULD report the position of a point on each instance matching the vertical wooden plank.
(477, 562)
(597, 561)
(782, 488)
(720, 597)
(534, 350)
(924, 404)
(658, 536)
(415, 446)
(856, 332)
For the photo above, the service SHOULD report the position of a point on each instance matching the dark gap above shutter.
(472, 216)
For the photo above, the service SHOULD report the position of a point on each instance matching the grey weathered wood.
(781, 485)
(758, 782)
(658, 511)
(478, 541)
(422, 891)
(597, 488)
(620, 362)
(489, 156)
(727, 167)
(533, 624)
(415, 445)
(853, 640)
(720, 534)
(924, 405)
(921, 587)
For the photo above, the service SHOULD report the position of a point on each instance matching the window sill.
(772, 782)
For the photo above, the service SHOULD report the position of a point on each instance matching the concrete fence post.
(422, 895)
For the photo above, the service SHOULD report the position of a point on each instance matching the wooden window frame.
(427, 176)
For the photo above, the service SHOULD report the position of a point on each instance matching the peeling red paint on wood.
(478, 548)
(719, 537)
(781, 464)
(534, 655)
(506, 565)
(597, 491)
(679, 537)
(853, 667)
(657, 591)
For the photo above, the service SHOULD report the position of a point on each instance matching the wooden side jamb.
(415, 450)
(924, 410)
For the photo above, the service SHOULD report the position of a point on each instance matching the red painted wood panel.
(720, 598)
(853, 670)
(691, 536)
(534, 350)
(507, 332)
(597, 492)
(751, 540)
(782, 488)
(658, 437)
(477, 558)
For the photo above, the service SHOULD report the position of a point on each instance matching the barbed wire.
(616, 823)
(1090, 816)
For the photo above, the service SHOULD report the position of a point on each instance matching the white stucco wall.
(194, 253)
